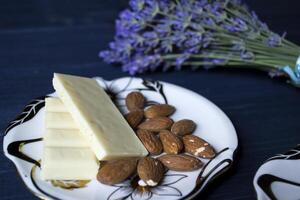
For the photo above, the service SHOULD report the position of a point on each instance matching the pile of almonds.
(160, 135)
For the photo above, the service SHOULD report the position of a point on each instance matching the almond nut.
(135, 101)
(183, 127)
(180, 162)
(172, 144)
(134, 118)
(116, 171)
(151, 142)
(198, 147)
(160, 110)
(150, 170)
(156, 124)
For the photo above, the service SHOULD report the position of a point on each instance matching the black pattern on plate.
(130, 188)
(265, 181)
(112, 93)
(15, 149)
(155, 86)
(293, 154)
(28, 113)
(32, 178)
(150, 85)
(202, 179)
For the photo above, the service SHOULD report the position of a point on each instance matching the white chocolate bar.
(106, 130)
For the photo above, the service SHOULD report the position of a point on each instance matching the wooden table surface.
(39, 37)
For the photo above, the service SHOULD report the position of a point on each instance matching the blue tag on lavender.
(294, 74)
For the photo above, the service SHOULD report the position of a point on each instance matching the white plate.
(23, 145)
(278, 177)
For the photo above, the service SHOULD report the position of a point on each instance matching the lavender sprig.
(154, 34)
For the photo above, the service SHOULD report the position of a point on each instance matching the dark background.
(39, 37)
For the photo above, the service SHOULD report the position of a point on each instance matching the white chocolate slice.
(54, 104)
(64, 138)
(61, 163)
(106, 130)
(59, 120)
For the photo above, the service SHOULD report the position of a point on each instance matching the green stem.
(295, 52)
(256, 51)
(276, 64)
(262, 67)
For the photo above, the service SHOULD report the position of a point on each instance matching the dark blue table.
(39, 37)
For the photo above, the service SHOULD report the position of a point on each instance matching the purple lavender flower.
(198, 9)
(121, 29)
(209, 22)
(137, 5)
(273, 40)
(193, 42)
(218, 61)
(166, 6)
(122, 47)
(127, 15)
(216, 10)
(182, 21)
(193, 38)
(207, 39)
(108, 56)
(128, 23)
(151, 38)
(150, 10)
(238, 46)
(181, 59)
(200, 4)
(166, 46)
(236, 25)
(247, 55)
(142, 63)
(136, 40)
(178, 38)
(197, 27)
(163, 29)
(212, 62)
(150, 33)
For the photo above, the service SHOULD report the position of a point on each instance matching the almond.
(134, 118)
(160, 110)
(116, 171)
(151, 142)
(183, 127)
(180, 162)
(198, 147)
(135, 101)
(171, 143)
(150, 170)
(156, 124)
